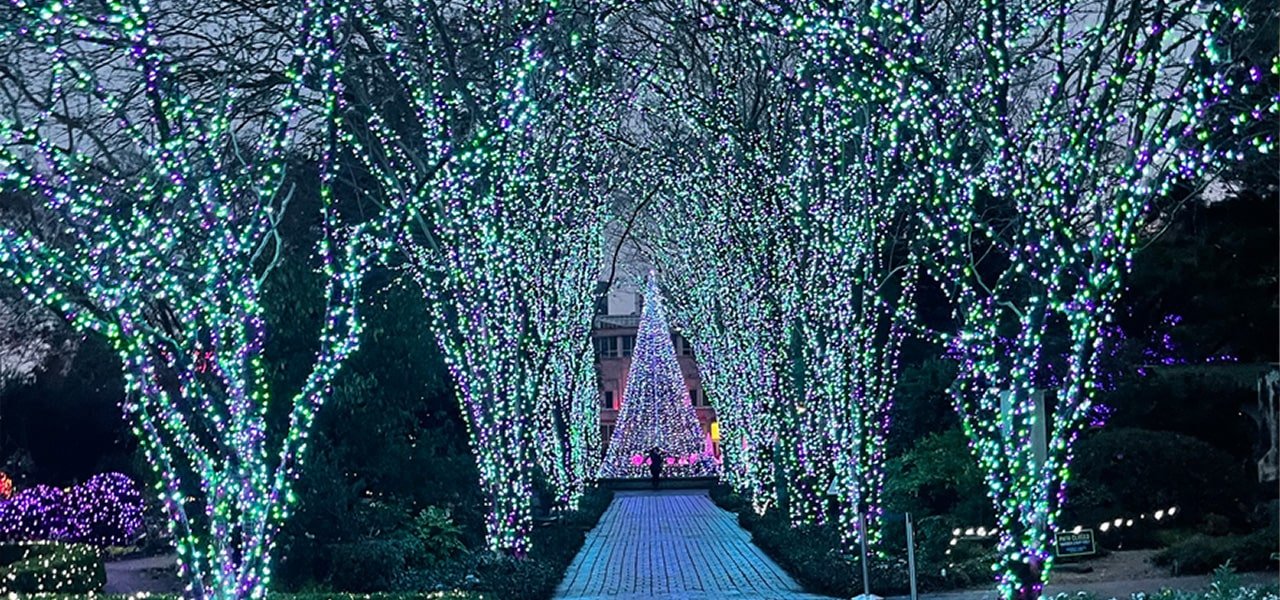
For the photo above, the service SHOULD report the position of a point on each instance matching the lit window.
(606, 346)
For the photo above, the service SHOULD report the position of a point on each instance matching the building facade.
(613, 338)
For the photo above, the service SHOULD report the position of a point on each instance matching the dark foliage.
(1128, 472)
(534, 577)
(1204, 402)
(1216, 267)
(390, 449)
(389, 500)
(814, 556)
(921, 404)
(1202, 553)
(554, 547)
(938, 476)
(79, 408)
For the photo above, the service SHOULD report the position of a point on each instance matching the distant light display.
(656, 411)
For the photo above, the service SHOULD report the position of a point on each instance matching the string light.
(47, 568)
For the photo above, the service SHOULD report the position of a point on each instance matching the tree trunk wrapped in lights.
(856, 161)
(158, 231)
(562, 297)
(693, 253)
(799, 173)
(479, 129)
(1054, 133)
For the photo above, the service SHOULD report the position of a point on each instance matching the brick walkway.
(673, 544)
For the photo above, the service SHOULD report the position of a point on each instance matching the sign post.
(1074, 543)
(862, 540)
(911, 557)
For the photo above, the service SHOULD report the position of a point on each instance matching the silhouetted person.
(655, 465)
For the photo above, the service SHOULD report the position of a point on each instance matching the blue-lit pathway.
(673, 544)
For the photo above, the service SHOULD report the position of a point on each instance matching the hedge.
(533, 577)
(30, 567)
(816, 558)
(1202, 553)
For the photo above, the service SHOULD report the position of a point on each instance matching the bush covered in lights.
(106, 510)
(36, 513)
(28, 568)
(103, 511)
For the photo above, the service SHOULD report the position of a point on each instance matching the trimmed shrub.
(815, 557)
(533, 577)
(38, 513)
(1202, 553)
(105, 510)
(371, 564)
(52, 567)
(1132, 471)
(554, 546)
(938, 476)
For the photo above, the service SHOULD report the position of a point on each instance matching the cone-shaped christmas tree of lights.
(656, 411)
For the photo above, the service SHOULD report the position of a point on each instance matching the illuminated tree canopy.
(800, 173)
(492, 176)
(161, 241)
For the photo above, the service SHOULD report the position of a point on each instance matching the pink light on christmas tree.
(656, 411)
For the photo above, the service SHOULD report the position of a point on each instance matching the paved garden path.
(673, 544)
